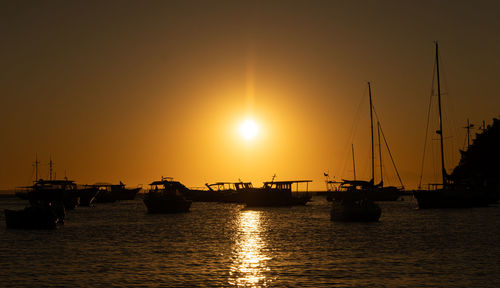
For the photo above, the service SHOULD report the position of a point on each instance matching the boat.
(375, 192)
(229, 192)
(353, 200)
(165, 196)
(50, 191)
(54, 190)
(109, 193)
(215, 192)
(450, 193)
(37, 216)
(275, 193)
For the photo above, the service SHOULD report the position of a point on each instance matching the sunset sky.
(136, 90)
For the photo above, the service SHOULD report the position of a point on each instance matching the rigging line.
(427, 126)
(387, 146)
(390, 155)
(353, 130)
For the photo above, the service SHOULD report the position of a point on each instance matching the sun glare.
(249, 129)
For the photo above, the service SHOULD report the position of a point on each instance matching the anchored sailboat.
(351, 201)
(374, 192)
(448, 194)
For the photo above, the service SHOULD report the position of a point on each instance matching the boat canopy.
(285, 184)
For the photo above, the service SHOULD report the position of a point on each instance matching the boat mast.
(440, 131)
(36, 167)
(371, 129)
(50, 168)
(353, 162)
(380, 153)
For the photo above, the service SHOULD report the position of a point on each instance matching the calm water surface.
(225, 245)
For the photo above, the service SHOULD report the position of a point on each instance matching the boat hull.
(169, 204)
(32, 218)
(450, 198)
(262, 197)
(126, 194)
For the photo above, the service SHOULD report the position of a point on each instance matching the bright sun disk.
(249, 129)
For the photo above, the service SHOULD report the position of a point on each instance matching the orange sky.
(136, 90)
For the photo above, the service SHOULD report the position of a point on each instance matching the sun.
(249, 129)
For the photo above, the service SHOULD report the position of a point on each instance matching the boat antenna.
(371, 129)
(440, 131)
(468, 127)
(274, 176)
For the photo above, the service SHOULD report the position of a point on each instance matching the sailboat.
(448, 194)
(351, 201)
(354, 188)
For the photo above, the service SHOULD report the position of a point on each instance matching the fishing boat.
(50, 191)
(165, 196)
(53, 190)
(109, 193)
(229, 192)
(215, 192)
(276, 193)
(449, 193)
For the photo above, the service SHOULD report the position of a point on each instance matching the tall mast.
(353, 162)
(371, 129)
(440, 131)
(36, 167)
(50, 168)
(380, 153)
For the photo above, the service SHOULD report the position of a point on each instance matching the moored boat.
(471, 189)
(37, 216)
(276, 193)
(109, 193)
(64, 191)
(165, 196)
(353, 200)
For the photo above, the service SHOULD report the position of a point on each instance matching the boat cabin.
(54, 185)
(167, 184)
(287, 185)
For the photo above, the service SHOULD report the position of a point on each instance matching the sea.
(228, 245)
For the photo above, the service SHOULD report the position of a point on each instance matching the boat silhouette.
(353, 201)
(275, 193)
(451, 193)
(165, 196)
(109, 193)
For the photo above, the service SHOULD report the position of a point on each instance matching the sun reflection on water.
(249, 253)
